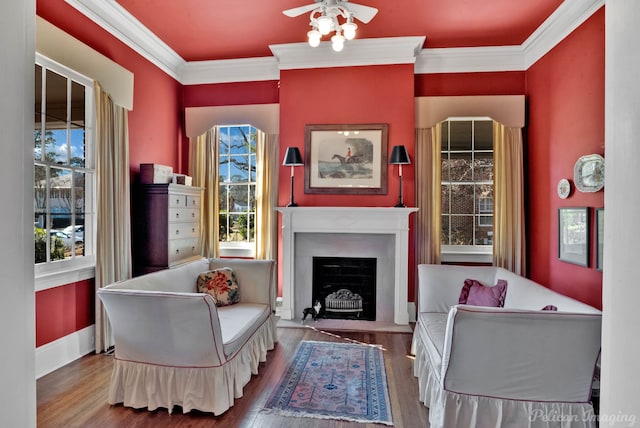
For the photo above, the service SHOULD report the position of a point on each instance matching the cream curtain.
(266, 195)
(113, 251)
(428, 194)
(203, 168)
(508, 207)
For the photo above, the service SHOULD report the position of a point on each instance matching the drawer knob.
(177, 215)
(177, 231)
(177, 201)
(193, 215)
(178, 251)
(193, 229)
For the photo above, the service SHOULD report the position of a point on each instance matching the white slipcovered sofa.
(515, 366)
(173, 346)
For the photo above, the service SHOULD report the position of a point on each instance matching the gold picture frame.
(346, 159)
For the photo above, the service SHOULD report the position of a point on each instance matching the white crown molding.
(229, 70)
(470, 60)
(569, 16)
(388, 50)
(394, 50)
(115, 19)
(566, 18)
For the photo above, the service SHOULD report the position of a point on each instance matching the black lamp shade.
(399, 156)
(292, 157)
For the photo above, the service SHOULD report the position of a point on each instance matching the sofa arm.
(256, 279)
(519, 354)
(164, 328)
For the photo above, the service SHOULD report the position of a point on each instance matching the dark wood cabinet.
(166, 226)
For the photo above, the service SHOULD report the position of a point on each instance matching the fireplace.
(368, 232)
(345, 286)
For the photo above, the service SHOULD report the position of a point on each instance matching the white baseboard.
(60, 352)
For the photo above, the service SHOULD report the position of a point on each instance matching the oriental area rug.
(328, 380)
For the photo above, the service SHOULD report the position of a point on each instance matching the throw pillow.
(549, 308)
(221, 284)
(474, 293)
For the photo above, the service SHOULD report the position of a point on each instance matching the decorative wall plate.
(564, 188)
(588, 173)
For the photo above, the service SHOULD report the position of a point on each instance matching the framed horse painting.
(348, 159)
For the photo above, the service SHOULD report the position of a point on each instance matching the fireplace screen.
(345, 286)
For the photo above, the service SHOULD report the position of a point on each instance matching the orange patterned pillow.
(221, 284)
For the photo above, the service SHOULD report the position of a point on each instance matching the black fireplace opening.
(345, 286)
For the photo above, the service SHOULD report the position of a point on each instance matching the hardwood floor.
(76, 395)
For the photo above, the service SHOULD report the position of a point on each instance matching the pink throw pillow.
(474, 293)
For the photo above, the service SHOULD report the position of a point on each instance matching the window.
(485, 206)
(237, 171)
(64, 176)
(467, 189)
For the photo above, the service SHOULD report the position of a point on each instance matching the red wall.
(63, 310)
(566, 120)
(460, 84)
(155, 135)
(228, 94)
(347, 95)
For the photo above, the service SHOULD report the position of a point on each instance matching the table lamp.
(292, 158)
(399, 156)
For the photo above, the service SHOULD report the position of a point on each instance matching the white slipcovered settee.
(510, 366)
(174, 346)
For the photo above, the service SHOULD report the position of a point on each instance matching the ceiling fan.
(358, 11)
(324, 19)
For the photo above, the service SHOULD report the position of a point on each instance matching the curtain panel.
(266, 195)
(428, 194)
(113, 250)
(203, 168)
(508, 211)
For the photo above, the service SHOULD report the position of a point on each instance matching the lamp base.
(292, 204)
(400, 203)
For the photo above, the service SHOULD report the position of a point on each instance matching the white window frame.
(60, 272)
(467, 253)
(245, 249)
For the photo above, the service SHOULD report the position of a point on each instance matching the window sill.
(466, 255)
(237, 250)
(49, 276)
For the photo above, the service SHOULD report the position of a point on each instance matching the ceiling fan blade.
(361, 12)
(297, 11)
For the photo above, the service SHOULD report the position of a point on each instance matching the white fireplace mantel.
(360, 220)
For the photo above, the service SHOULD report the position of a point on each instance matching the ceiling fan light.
(324, 25)
(337, 42)
(349, 30)
(314, 38)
